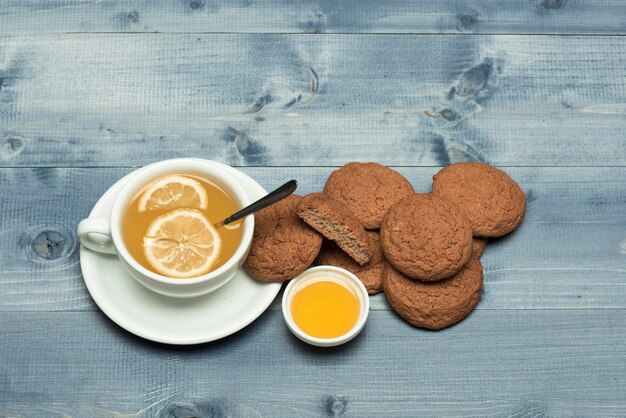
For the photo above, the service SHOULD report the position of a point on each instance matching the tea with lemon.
(168, 226)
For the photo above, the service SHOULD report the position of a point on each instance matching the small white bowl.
(313, 274)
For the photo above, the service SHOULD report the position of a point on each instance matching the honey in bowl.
(325, 308)
(167, 226)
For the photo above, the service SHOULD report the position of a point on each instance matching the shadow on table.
(268, 331)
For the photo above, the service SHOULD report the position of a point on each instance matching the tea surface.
(218, 205)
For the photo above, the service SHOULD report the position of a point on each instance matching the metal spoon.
(269, 199)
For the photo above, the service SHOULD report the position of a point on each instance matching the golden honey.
(325, 309)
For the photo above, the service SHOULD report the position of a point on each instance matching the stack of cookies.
(422, 249)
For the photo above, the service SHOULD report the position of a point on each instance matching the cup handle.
(95, 234)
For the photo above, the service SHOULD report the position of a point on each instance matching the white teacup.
(105, 235)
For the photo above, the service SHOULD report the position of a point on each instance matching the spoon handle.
(269, 199)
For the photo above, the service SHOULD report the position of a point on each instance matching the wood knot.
(467, 20)
(196, 4)
(474, 80)
(52, 244)
(448, 114)
(13, 145)
(443, 117)
(252, 152)
(260, 103)
(334, 406)
(133, 16)
(553, 4)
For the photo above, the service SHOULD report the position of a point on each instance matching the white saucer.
(173, 320)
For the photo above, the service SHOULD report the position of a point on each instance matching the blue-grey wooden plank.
(552, 363)
(570, 251)
(284, 100)
(315, 16)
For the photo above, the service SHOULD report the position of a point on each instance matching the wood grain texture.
(570, 252)
(86, 93)
(496, 363)
(298, 100)
(316, 16)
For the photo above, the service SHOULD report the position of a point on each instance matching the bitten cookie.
(368, 190)
(434, 305)
(478, 246)
(426, 237)
(335, 221)
(282, 245)
(494, 203)
(371, 273)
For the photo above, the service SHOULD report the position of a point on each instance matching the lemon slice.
(172, 192)
(182, 243)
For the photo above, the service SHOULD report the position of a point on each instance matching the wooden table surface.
(90, 90)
